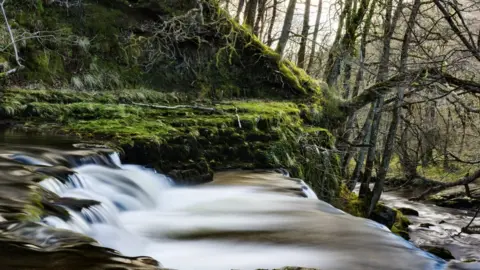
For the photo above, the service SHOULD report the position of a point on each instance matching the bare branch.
(12, 38)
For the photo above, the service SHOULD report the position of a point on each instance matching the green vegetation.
(187, 142)
(350, 203)
(105, 45)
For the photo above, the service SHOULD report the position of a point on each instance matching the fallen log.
(442, 186)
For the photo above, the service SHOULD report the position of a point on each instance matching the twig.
(465, 229)
(175, 107)
(238, 118)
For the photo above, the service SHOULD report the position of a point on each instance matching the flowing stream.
(241, 220)
(439, 226)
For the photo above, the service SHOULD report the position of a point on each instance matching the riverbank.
(183, 138)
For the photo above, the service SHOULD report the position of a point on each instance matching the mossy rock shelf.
(187, 142)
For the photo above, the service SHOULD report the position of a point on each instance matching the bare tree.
(315, 37)
(287, 25)
(396, 114)
(250, 12)
(272, 23)
(390, 22)
(303, 41)
(241, 4)
(12, 40)
(259, 22)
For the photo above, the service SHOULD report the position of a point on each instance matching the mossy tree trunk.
(351, 118)
(396, 114)
(391, 19)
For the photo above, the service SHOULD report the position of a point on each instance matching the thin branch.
(174, 107)
(12, 38)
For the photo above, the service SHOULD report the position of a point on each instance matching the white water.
(226, 226)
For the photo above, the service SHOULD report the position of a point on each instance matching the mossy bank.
(187, 142)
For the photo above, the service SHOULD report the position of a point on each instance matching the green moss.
(400, 227)
(349, 202)
(101, 48)
(245, 134)
(33, 209)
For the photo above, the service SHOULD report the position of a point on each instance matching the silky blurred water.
(241, 220)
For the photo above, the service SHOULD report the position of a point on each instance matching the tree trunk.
(260, 14)
(392, 131)
(315, 36)
(445, 144)
(272, 23)
(343, 47)
(332, 69)
(303, 41)
(287, 25)
(250, 12)
(364, 137)
(241, 3)
(389, 28)
(356, 88)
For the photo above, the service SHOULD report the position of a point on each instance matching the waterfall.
(227, 224)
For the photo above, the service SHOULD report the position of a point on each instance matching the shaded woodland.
(415, 62)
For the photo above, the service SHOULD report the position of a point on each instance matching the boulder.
(384, 215)
(408, 211)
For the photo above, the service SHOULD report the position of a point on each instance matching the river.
(241, 220)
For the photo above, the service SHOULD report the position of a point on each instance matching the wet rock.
(426, 225)
(403, 234)
(58, 172)
(442, 221)
(76, 204)
(28, 245)
(384, 215)
(471, 230)
(439, 252)
(408, 211)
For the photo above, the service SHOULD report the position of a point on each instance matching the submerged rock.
(76, 204)
(408, 211)
(439, 251)
(426, 225)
